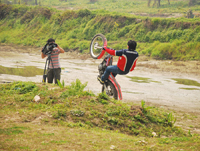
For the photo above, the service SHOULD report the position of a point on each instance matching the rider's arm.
(114, 52)
(132, 68)
(110, 51)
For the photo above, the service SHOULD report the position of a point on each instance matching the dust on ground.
(162, 91)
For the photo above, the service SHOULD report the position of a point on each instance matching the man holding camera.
(52, 50)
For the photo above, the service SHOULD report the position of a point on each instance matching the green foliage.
(187, 82)
(84, 13)
(170, 119)
(103, 96)
(59, 114)
(22, 87)
(76, 88)
(61, 85)
(176, 39)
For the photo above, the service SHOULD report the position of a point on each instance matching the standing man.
(54, 70)
(125, 64)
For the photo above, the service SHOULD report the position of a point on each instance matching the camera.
(48, 48)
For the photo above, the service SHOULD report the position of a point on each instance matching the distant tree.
(36, 2)
(25, 2)
(156, 2)
(191, 2)
(92, 1)
(7, 2)
(189, 14)
(194, 2)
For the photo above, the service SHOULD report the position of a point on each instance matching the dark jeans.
(53, 74)
(114, 69)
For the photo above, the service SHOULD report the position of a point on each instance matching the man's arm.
(43, 55)
(61, 49)
(110, 51)
(114, 52)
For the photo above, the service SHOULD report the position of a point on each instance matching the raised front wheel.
(96, 46)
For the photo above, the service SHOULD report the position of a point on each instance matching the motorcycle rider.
(126, 62)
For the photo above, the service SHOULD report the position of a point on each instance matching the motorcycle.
(111, 86)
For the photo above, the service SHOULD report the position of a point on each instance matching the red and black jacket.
(127, 59)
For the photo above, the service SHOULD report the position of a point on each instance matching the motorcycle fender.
(101, 55)
(117, 86)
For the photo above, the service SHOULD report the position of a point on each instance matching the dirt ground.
(160, 90)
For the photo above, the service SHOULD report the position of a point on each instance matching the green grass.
(85, 109)
(142, 80)
(27, 71)
(190, 88)
(187, 82)
(68, 116)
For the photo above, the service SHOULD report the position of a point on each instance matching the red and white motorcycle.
(111, 86)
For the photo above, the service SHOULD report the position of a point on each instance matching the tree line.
(149, 2)
(157, 2)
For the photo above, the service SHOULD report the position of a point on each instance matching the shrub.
(5, 10)
(83, 13)
(24, 87)
(76, 88)
(162, 51)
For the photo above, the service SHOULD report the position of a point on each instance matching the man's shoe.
(99, 78)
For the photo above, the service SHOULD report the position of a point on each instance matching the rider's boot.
(99, 79)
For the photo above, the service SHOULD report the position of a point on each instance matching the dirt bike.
(111, 86)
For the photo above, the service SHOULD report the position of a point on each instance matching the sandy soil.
(162, 91)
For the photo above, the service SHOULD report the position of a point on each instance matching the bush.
(76, 88)
(5, 10)
(84, 13)
(162, 51)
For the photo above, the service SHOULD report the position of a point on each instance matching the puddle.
(142, 80)
(77, 69)
(187, 82)
(133, 92)
(26, 71)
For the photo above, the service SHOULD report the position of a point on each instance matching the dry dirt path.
(162, 90)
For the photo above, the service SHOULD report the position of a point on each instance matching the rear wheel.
(110, 90)
(96, 46)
